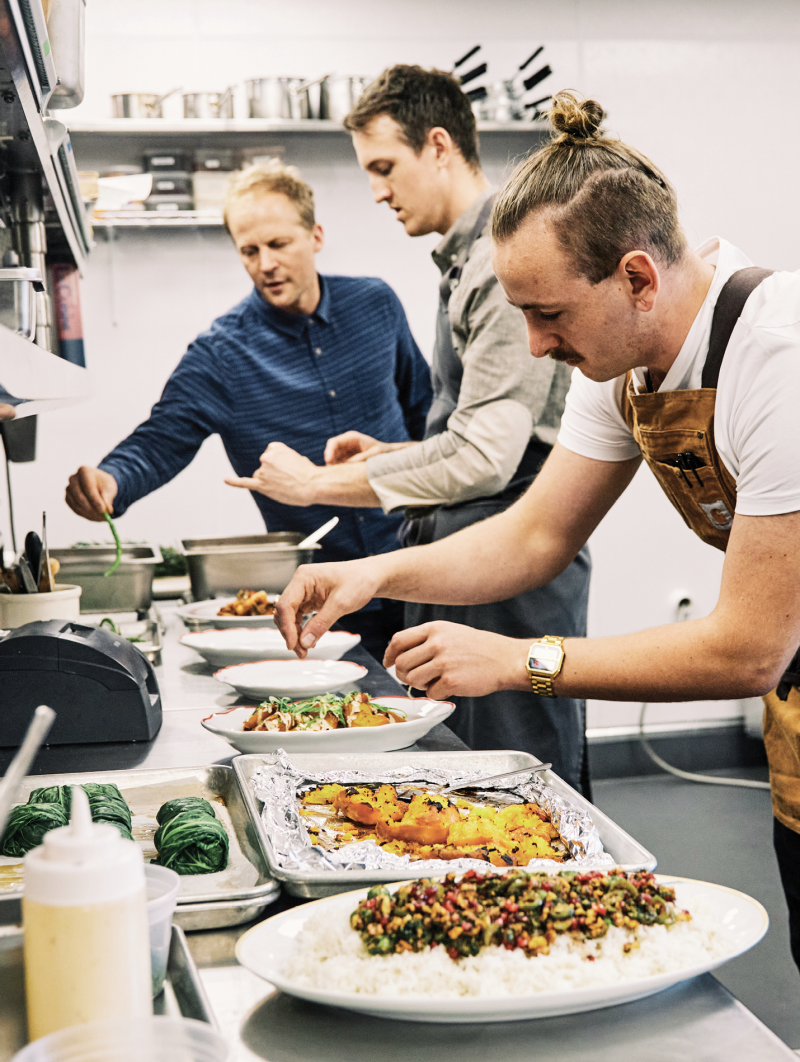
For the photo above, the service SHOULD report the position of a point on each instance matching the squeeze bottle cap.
(82, 863)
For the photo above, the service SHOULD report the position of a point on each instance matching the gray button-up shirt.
(506, 395)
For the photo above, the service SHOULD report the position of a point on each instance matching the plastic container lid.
(83, 863)
(161, 1039)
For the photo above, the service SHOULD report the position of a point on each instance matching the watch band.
(543, 684)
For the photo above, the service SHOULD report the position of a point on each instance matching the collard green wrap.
(106, 803)
(191, 843)
(182, 805)
(27, 824)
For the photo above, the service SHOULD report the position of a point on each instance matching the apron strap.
(730, 303)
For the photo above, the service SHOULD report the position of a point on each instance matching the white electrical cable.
(682, 613)
(707, 779)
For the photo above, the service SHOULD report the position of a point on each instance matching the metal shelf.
(155, 219)
(195, 126)
(25, 140)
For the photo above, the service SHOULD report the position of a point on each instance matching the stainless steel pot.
(282, 97)
(208, 104)
(338, 96)
(139, 104)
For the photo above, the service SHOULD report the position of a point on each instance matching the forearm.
(345, 485)
(682, 662)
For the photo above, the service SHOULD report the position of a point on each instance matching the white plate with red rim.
(291, 678)
(236, 646)
(206, 614)
(422, 715)
(266, 948)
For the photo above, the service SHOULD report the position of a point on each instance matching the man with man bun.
(495, 413)
(688, 359)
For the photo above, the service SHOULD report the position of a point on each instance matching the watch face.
(545, 657)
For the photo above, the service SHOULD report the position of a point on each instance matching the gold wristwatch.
(544, 663)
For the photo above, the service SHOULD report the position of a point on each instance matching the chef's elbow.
(759, 677)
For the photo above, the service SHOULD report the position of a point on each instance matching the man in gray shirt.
(495, 412)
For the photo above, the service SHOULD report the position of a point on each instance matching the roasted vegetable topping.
(515, 910)
(327, 712)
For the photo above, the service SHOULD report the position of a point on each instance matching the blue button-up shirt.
(260, 375)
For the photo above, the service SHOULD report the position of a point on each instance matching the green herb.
(318, 707)
(107, 621)
(172, 563)
(118, 542)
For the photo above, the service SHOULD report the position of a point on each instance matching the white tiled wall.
(708, 88)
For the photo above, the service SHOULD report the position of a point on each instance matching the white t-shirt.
(757, 415)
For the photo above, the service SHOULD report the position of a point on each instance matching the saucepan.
(208, 104)
(284, 97)
(338, 96)
(139, 104)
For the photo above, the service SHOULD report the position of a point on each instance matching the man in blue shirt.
(302, 358)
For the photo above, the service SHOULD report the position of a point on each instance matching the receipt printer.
(100, 687)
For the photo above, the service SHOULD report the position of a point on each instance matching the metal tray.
(129, 589)
(205, 901)
(183, 994)
(219, 566)
(627, 852)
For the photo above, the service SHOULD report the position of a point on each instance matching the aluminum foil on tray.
(278, 783)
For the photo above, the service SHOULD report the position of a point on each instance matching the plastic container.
(87, 944)
(64, 603)
(157, 1039)
(162, 895)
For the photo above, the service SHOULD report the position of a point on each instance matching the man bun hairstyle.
(603, 198)
(267, 178)
(419, 100)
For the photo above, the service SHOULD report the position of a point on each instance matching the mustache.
(561, 354)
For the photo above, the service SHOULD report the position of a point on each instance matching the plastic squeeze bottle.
(87, 946)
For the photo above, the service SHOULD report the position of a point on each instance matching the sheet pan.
(627, 852)
(232, 896)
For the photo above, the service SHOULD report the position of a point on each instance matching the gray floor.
(724, 835)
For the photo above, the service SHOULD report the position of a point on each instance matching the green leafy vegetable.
(316, 708)
(118, 542)
(192, 843)
(27, 824)
(53, 794)
(183, 805)
(172, 563)
(106, 803)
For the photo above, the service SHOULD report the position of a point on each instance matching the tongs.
(37, 731)
(478, 783)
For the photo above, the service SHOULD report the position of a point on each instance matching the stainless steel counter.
(698, 1021)
(189, 692)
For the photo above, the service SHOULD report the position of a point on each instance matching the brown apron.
(675, 432)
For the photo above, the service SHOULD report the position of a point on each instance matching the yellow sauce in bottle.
(87, 941)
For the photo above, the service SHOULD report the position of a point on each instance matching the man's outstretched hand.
(452, 660)
(91, 493)
(330, 590)
(352, 447)
(284, 475)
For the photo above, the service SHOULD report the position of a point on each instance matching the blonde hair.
(266, 178)
(605, 197)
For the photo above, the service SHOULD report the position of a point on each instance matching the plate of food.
(250, 608)
(502, 946)
(356, 722)
(290, 678)
(238, 646)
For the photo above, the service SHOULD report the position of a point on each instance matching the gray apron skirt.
(551, 728)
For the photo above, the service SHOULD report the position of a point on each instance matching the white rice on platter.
(328, 954)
